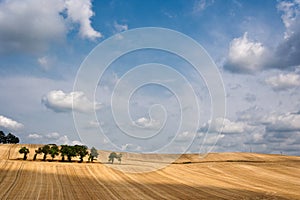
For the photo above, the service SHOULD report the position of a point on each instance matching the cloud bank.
(52, 138)
(31, 25)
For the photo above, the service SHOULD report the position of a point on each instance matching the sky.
(255, 46)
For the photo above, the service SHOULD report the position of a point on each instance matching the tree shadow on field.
(22, 180)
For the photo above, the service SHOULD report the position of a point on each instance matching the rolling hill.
(217, 176)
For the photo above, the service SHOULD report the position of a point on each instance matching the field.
(217, 176)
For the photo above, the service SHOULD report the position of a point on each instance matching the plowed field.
(217, 176)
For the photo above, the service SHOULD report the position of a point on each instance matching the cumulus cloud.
(23, 24)
(282, 122)
(31, 25)
(147, 123)
(290, 16)
(288, 50)
(225, 126)
(246, 56)
(80, 11)
(284, 81)
(59, 101)
(10, 124)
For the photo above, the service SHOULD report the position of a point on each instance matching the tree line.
(67, 152)
(8, 139)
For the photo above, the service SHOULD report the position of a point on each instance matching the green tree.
(45, 151)
(63, 152)
(12, 139)
(81, 151)
(94, 154)
(119, 157)
(24, 151)
(37, 151)
(71, 152)
(112, 157)
(2, 137)
(54, 151)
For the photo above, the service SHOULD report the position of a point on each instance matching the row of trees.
(65, 151)
(68, 151)
(8, 139)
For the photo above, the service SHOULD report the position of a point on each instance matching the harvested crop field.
(217, 176)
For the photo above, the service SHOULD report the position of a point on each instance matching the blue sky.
(255, 45)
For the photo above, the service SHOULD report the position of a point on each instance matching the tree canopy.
(9, 139)
(24, 151)
(113, 155)
(94, 154)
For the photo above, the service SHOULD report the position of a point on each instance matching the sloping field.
(217, 176)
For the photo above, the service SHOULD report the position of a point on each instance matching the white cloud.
(32, 25)
(59, 101)
(23, 24)
(245, 55)
(65, 140)
(290, 16)
(120, 27)
(282, 122)
(131, 148)
(53, 135)
(210, 139)
(45, 62)
(225, 126)
(147, 123)
(9, 123)
(288, 51)
(185, 136)
(284, 81)
(52, 138)
(34, 136)
(80, 11)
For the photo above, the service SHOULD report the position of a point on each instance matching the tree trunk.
(25, 156)
(69, 158)
(44, 158)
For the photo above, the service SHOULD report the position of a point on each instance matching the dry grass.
(218, 176)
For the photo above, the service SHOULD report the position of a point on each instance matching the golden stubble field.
(217, 176)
